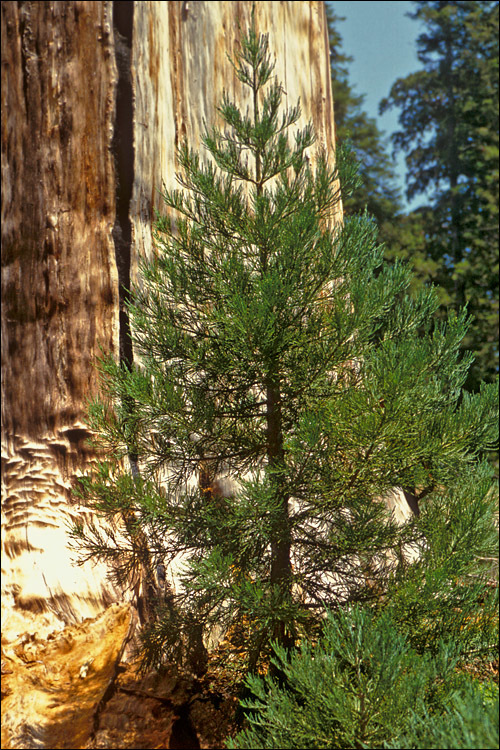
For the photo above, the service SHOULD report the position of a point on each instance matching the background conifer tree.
(449, 132)
(275, 348)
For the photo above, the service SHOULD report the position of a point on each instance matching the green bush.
(364, 685)
(469, 722)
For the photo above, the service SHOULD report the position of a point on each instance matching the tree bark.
(59, 292)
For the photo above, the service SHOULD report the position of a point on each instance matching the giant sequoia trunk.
(96, 97)
(59, 291)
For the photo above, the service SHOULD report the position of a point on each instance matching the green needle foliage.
(362, 686)
(275, 347)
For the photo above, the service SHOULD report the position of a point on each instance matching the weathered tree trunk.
(96, 97)
(59, 292)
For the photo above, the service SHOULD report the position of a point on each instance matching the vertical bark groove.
(123, 149)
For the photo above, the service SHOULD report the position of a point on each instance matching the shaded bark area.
(58, 204)
(123, 150)
(144, 587)
(59, 294)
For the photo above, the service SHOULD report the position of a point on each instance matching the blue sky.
(382, 41)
